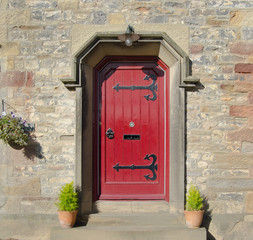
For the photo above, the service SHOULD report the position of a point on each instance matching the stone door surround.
(100, 46)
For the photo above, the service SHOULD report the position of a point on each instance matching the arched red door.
(133, 117)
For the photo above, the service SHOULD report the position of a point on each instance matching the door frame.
(84, 60)
(96, 141)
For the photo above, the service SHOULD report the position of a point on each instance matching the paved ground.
(26, 229)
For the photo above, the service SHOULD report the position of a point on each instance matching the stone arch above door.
(156, 44)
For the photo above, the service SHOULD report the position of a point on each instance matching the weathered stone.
(232, 196)
(249, 202)
(241, 135)
(225, 223)
(9, 49)
(116, 18)
(231, 184)
(242, 230)
(244, 48)
(46, 109)
(197, 48)
(53, 15)
(158, 19)
(247, 147)
(244, 68)
(16, 79)
(216, 22)
(30, 188)
(250, 97)
(37, 15)
(66, 4)
(3, 33)
(99, 17)
(3, 4)
(241, 111)
(247, 33)
(236, 17)
(243, 87)
(227, 87)
(18, 17)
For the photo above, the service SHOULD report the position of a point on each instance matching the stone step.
(131, 226)
(136, 219)
(130, 206)
(129, 233)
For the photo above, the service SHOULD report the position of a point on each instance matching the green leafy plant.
(67, 198)
(13, 130)
(194, 201)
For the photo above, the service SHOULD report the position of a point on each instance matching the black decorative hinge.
(152, 167)
(152, 87)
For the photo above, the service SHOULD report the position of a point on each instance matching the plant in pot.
(13, 130)
(193, 209)
(67, 205)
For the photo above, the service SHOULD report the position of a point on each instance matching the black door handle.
(109, 133)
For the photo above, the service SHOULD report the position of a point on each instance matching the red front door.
(133, 127)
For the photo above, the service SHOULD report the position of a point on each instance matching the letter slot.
(132, 137)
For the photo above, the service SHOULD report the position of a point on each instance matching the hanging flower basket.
(13, 130)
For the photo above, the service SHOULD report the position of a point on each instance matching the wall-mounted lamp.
(129, 37)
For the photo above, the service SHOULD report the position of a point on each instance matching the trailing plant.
(194, 201)
(67, 198)
(13, 129)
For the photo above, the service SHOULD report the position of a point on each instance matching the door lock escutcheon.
(109, 133)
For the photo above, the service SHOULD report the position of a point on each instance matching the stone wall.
(37, 41)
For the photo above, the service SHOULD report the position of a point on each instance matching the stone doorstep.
(130, 206)
(131, 220)
(139, 226)
(127, 226)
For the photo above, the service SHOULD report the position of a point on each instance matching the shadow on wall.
(207, 220)
(33, 150)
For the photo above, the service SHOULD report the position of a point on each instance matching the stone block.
(225, 223)
(241, 135)
(30, 188)
(45, 109)
(231, 196)
(17, 79)
(250, 97)
(248, 218)
(244, 48)
(243, 87)
(236, 18)
(3, 34)
(247, 33)
(37, 15)
(229, 184)
(53, 15)
(3, 4)
(247, 147)
(242, 230)
(232, 161)
(249, 202)
(216, 22)
(244, 68)
(197, 48)
(116, 18)
(9, 49)
(99, 17)
(68, 5)
(241, 111)
(18, 17)
(158, 19)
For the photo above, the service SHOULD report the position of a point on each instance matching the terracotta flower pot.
(194, 218)
(67, 219)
